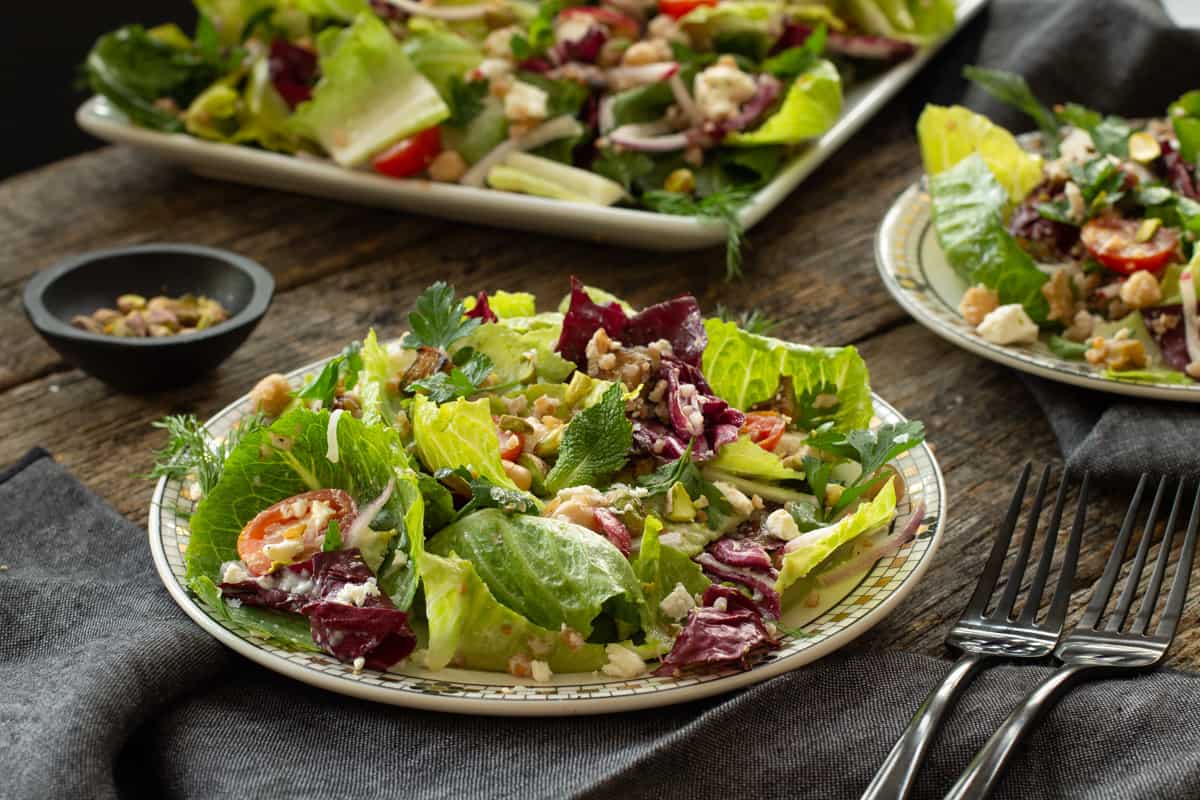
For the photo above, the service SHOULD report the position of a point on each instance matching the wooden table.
(341, 269)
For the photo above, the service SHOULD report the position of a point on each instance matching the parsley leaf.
(470, 371)
(595, 444)
(684, 470)
(465, 100)
(795, 60)
(333, 537)
(343, 368)
(482, 493)
(437, 319)
(871, 449)
(722, 205)
(816, 473)
(806, 515)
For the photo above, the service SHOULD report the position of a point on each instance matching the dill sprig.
(751, 320)
(191, 453)
(724, 205)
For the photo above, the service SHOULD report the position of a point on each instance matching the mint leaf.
(482, 493)
(684, 470)
(595, 444)
(333, 537)
(437, 319)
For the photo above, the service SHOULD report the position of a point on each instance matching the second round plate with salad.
(1068, 253)
(589, 510)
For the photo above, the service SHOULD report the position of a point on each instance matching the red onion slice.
(367, 515)
(1191, 324)
(884, 547)
(648, 137)
(557, 128)
(447, 13)
(684, 100)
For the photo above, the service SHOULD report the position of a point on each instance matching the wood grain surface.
(342, 268)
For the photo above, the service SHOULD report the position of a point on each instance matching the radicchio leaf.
(379, 635)
(293, 71)
(760, 583)
(614, 530)
(741, 553)
(583, 318)
(1050, 239)
(1179, 172)
(715, 638)
(586, 48)
(696, 415)
(483, 309)
(1172, 341)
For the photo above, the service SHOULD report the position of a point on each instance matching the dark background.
(42, 45)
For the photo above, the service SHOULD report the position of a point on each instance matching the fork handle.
(895, 778)
(986, 769)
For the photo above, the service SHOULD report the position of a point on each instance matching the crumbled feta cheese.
(319, 514)
(740, 503)
(572, 28)
(622, 662)
(541, 671)
(355, 594)
(359, 663)
(678, 603)
(492, 68)
(283, 552)
(525, 101)
(781, 525)
(1008, 325)
(289, 581)
(1077, 146)
(1077, 210)
(235, 572)
(722, 88)
(498, 43)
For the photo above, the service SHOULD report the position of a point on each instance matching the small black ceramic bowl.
(83, 284)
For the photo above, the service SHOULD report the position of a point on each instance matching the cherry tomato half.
(303, 519)
(410, 156)
(681, 8)
(1113, 242)
(511, 445)
(620, 24)
(764, 428)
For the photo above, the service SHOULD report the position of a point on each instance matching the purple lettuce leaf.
(585, 49)
(1172, 341)
(760, 583)
(696, 415)
(741, 553)
(712, 638)
(1180, 174)
(678, 321)
(1052, 240)
(293, 71)
(483, 309)
(583, 318)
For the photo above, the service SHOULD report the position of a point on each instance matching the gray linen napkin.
(110, 691)
(1118, 56)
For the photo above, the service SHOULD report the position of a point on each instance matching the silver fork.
(1089, 648)
(982, 636)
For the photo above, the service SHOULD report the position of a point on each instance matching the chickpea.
(522, 477)
(272, 395)
(447, 167)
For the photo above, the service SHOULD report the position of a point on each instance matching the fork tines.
(1176, 597)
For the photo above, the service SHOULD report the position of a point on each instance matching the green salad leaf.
(744, 457)
(827, 383)
(341, 370)
(444, 57)
(290, 631)
(485, 494)
(595, 444)
(291, 457)
(437, 319)
(871, 449)
(1011, 89)
(470, 371)
(810, 107)
(515, 554)
(660, 568)
(804, 553)
(684, 471)
(1109, 134)
(968, 215)
(458, 434)
(370, 95)
(470, 628)
(1184, 114)
(796, 60)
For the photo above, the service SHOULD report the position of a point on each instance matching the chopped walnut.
(977, 302)
(1119, 353)
(1081, 327)
(1140, 290)
(1059, 295)
(610, 361)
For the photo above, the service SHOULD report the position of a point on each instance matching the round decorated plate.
(916, 272)
(843, 611)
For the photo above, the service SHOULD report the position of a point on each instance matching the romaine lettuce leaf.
(468, 627)
(828, 383)
(918, 21)
(968, 215)
(458, 434)
(290, 631)
(660, 568)
(379, 366)
(340, 10)
(508, 304)
(370, 95)
(519, 356)
(229, 17)
(744, 457)
(949, 135)
(550, 571)
(804, 553)
(440, 55)
(810, 107)
(290, 457)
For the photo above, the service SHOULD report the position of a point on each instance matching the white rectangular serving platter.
(635, 228)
